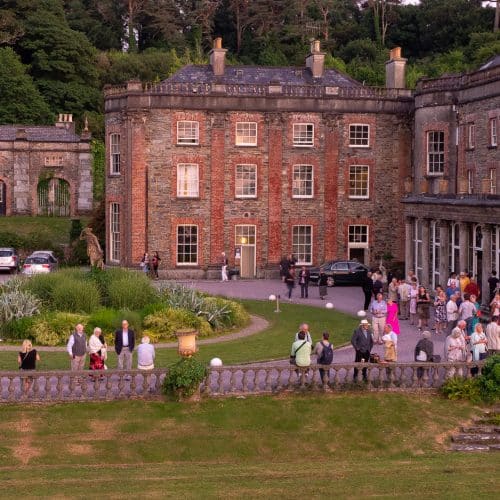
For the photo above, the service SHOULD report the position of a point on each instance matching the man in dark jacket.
(362, 341)
(124, 346)
(367, 287)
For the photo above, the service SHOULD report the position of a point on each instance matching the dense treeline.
(56, 55)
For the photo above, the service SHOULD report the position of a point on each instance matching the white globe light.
(272, 297)
(361, 314)
(216, 362)
(329, 305)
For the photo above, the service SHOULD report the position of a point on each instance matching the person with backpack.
(324, 354)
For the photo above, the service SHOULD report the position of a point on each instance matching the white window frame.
(495, 247)
(303, 139)
(493, 181)
(296, 247)
(471, 135)
(239, 182)
(493, 127)
(435, 250)
(358, 239)
(470, 181)
(178, 243)
(437, 155)
(188, 139)
(418, 249)
(114, 232)
(248, 139)
(354, 140)
(186, 187)
(115, 154)
(359, 196)
(299, 183)
(454, 248)
(245, 235)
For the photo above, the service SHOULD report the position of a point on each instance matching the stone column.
(424, 257)
(409, 245)
(444, 251)
(463, 236)
(487, 265)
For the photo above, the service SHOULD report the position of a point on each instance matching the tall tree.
(382, 10)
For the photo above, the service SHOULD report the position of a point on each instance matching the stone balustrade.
(257, 379)
(47, 386)
(57, 386)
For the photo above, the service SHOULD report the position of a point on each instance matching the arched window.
(53, 197)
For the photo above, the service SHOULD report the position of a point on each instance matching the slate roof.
(38, 133)
(261, 75)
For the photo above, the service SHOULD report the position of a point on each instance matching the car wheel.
(330, 281)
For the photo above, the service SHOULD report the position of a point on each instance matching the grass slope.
(319, 446)
(273, 343)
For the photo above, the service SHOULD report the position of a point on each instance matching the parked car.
(40, 262)
(9, 260)
(341, 272)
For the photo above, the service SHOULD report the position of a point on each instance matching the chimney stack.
(315, 61)
(395, 70)
(218, 57)
(65, 120)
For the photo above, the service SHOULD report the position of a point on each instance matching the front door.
(247, 261)
(357, 254)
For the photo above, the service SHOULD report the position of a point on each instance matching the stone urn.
(187, 342)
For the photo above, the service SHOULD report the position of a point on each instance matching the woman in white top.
(95, 347)
(413, 303)
(478, 343)
(495, 305)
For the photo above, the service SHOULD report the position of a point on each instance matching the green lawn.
(313, 446)
(55, 229)
(273, 343)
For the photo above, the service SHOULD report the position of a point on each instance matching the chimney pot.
(316, 46)
(218, 43)
(395, 53)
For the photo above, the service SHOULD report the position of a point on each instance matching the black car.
(340, 272)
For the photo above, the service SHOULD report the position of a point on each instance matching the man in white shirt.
(146, 359)
(466, 311)
(452, 312)
(404, 299)
(378, 309)
(493, 335)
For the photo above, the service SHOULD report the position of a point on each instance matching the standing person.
(478, 343)
(453, 281)
(477, 311)
(378, 310)
(392, 315)
(423, 307)
(451, 289)
(324, 354)
(26, 360)
(362, 341)
(290, 281)
(452, 312)
(466, 312)
(390, 352)
(495, 305)
(392, 290)
(77, 348)
(472, 288)
(95, 350)
(323, 284)
(223, 263)
(304, 276)
(283, 268)
(493, 284)
(146, 358)
(378, 286)
(404, 299)
(155, 261)
(304, 327)
(440, 313)
(124, 346)
(367, 286)
(424, 351)
(413, 303)
(454, 351)
(301, 351)
(145, 263)
(493, 336)
(463, 281)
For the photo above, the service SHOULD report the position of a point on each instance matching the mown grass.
(55, 229)
(272, 343)
(318, 446)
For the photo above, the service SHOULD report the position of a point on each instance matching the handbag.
(436, 358)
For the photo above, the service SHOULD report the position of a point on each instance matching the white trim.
(428, 152)
(245, 196)
(188, 264)
(368, 138)
(190, 195)
(493, 128)
(189, 141)
(300, 262)
(245, 144)
(355, 196)
(114, 153)
(358, 244)
(302, 144)
(114, 242)
(303, 196)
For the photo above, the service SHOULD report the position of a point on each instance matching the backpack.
(326, 357)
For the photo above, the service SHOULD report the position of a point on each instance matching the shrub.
(72, 295)
(152, 308)
(18, 329)
(133, 290)
(183, 378)
(461, 388)
(42, 286)
(489, 381)
(164, 324)
(224, 312)
(54, 328)
(109, 320)
(18, 304)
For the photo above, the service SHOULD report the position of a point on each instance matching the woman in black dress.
(27, 359)
(423, 307)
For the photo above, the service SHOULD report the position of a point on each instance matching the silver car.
(9, 260)
(40, 262)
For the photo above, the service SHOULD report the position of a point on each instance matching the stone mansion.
(260, 162)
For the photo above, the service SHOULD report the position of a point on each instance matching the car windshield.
(37, 260)
(6, 253)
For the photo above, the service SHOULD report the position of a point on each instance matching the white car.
(9, 260)
(40, 262)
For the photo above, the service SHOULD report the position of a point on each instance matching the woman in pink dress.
(392, 315)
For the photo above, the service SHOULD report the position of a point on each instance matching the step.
(481, 429)
(487, 439)
(470, 447)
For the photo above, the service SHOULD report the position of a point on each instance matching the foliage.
(98, 223)
(132, 290)
(54, 328)
(183, 378)
(98, 166)
(18, 329)
(460, 388)
(20, 100)
(75, 295)
(109, 320)
(17, 304)
(163, 324)
(489, 381)
(78, 247)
